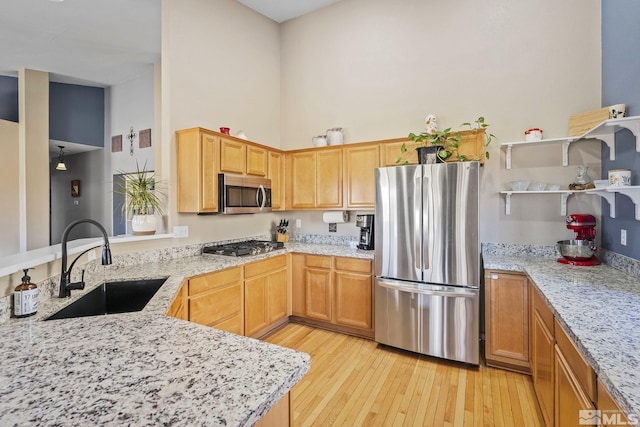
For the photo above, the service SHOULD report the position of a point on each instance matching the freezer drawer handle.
(413, 290)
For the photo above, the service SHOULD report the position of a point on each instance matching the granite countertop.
(145, 368)
(599, 308)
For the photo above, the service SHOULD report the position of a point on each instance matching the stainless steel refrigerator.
(427, 259)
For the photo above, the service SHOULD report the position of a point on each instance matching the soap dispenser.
(25, 297)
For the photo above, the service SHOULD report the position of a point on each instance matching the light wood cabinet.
(352, 284)
(333, 292)
(298, 297)
(390, 151)
(178, 308)
(197, 170)
(314, 179)
(257, 161)
(542, 355)
(301, 180)
(233, 156)
(575, 381)
(359, 171)
(610, 412)
(266, 294)
(329, 178)
(275, 170)
(318, 287)
(507, 320)
(279, 415)
(216, 299)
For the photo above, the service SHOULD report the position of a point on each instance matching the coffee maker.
(365, 222)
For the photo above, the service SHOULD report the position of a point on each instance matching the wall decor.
(116, 143)
(132, 135)
(144, 139)
(75, 188)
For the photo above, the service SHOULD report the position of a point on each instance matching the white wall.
(9, 194)
(220, 67)
(377, 68)
(131, 104)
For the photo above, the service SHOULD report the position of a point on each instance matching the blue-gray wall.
(9, 98)
(621, 85)
(76, 114)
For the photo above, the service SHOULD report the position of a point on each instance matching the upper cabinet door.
(256, 161)
(329, 179)
(392, 151)
(360, 164)
(197, 167)
(276, 175)
(232, 156)
(301, 185)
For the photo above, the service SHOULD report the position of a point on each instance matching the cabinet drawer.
(213, 280)
(353, 264)
(264, 266)
(580, 367)
(212, 307)
(543, 310)
(318, 261)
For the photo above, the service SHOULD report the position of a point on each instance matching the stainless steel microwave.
(240, 194)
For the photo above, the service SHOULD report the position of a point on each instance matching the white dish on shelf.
(601, 183)
(537, 186)
(520, 185)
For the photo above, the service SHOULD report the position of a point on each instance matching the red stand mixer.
(582, 250)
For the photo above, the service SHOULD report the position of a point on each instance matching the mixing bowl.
(576, 250)
(519, 185)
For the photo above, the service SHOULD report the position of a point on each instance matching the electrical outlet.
(333, 227)
(298, 223)
(623, 237)
(76, 203)
(91, 255)
(181, 231)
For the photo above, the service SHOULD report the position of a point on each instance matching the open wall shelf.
(605, 132)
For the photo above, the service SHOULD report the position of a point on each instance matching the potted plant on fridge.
(438, 146)
(142, 200)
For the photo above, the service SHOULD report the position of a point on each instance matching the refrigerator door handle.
(425, 222)
(417, 224)
(450, 292)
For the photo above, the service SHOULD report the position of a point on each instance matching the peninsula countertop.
(599, 307)
(144, 368)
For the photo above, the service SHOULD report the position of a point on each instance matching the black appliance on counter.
(365, 222)
(248, 247)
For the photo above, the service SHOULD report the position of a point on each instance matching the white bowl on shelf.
(520, 185)
(601, 183)
(537, 186)
(553, 187)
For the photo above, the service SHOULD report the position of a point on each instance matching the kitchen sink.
(111, 298)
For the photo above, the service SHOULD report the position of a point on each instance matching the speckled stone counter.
(600, 309)
(144, 368)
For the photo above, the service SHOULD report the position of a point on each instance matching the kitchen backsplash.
(48, 288)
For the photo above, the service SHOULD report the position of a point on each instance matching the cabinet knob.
(494, 276)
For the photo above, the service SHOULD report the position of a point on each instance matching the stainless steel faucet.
(65, 276)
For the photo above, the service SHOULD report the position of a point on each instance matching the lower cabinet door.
(542, 352)
(278, 292)
(255, 305)
(353, 300)
(570, 398)
(217, 306)
(318, 294)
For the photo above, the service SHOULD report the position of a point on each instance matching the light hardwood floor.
(356, 382)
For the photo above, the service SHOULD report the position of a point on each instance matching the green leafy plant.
(449, 141)
(142, 195)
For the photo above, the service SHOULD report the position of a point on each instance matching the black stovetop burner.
(249, 247)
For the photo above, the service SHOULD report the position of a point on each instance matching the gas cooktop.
(249, 247)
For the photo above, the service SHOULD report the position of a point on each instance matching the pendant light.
(61, 166)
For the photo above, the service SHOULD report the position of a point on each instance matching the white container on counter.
(533, 134)
(619, 177)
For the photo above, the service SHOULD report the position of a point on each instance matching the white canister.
(619, 177)
(533, 134)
